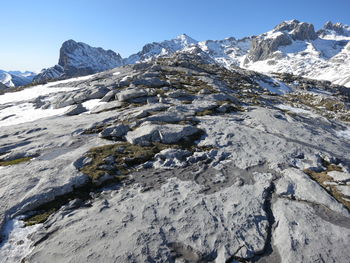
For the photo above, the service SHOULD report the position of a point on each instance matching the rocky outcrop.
(148, 133)
(79, 59)
(235, 173)
(297, 30)
(337, 28)
(3, 87)
(264, 46)
(55, 72)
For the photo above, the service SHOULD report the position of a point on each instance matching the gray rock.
(150, 82)
(168, 133)
(109, 96)
(97, 93)
(131, 94)
(107, 106)
(79, 59)
(114, 132)
(264, 48)
(298, 30)
(75, 110)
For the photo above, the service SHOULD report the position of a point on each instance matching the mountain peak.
(297, 30)
(337, 28)
(186, 39)
(79, 59)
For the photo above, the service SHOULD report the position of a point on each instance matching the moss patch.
(42, 212)
(125, 157)
(15, 161)
(39, 218)
(322, 178)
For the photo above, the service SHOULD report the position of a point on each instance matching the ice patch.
(116, 73)
(16, 244)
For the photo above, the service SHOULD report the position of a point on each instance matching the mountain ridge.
(290, 47)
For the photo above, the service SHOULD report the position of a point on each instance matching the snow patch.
(90, 104)
(26, 112)
(275, 87)
(16, 244)
(345, 134)
(297, 110)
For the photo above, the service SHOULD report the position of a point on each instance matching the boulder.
(168, 134)
(150, 82)
(115, 132)
(109, 96)
(107, 106)
(131, 94)
(75, 110)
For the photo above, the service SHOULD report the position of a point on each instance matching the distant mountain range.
(291, 47)
(16, 78)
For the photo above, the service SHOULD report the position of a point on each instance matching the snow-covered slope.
(229, 51)
(79, 59)
(16, 78)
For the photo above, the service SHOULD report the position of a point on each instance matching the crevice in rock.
(268, 249)
(323, 211)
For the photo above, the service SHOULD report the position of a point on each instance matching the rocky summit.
(79, 59)
(177, 159)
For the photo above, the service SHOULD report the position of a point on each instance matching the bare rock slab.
(168, 133)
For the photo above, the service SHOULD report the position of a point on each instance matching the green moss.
(15, 161)
(322, 178)
(206, 112)
(125, 155)
(39, 218)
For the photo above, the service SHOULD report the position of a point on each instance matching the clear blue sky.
(32, 31)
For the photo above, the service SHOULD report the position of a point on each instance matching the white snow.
(25, 112)
(297, 110)
(280, 88)
(16, 244)
(20, 110)
(90, 104)
(345, 134)
(29, 93)
(116, 73)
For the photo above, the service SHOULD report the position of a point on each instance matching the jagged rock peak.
(76, 54)
(338, 28)
(297, 30)
(79, 59)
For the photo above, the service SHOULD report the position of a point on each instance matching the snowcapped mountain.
(294, 47)
(291, 47)
(334, 30)
(158, 49)
(16, 78)
(78, 59)
(229, 51)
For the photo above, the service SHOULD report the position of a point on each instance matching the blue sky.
(33, 31)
